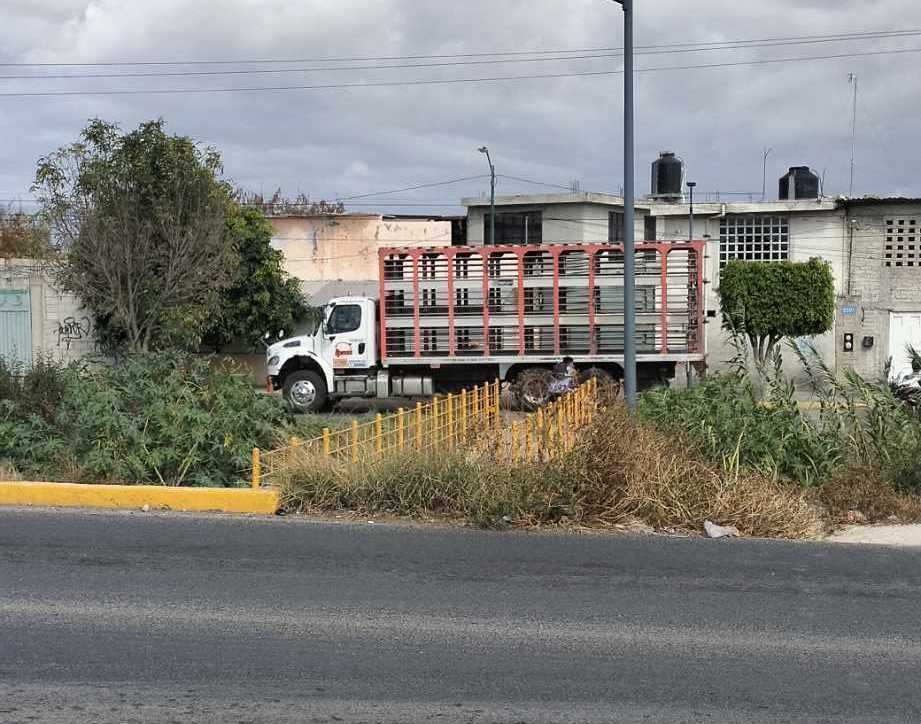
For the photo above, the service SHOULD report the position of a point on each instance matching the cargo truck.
(449, 318)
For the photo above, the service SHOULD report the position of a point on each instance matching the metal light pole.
(852, 78)
(691, 185)
(492, 197)
(629, 225)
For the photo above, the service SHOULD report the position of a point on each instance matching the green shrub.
(725, 419)
(158, 418)
(749, 419)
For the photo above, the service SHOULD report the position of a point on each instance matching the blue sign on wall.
(849, 310)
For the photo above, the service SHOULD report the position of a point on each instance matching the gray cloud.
(352, 141)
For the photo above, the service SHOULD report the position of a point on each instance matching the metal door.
(904, 330)
(16, 326)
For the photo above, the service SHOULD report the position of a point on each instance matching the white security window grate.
(754, 238)
(903, 242)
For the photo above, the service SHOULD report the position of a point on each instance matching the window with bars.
(427, 266)
(754, 238)
(515, 227)
(903, 243)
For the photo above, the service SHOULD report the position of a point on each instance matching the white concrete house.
(873, 247)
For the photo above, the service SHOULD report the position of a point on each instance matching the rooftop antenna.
(764, 154)
(852, 78)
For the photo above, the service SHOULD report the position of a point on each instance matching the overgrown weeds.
(863, 494)
(622, 470)
(163, 418)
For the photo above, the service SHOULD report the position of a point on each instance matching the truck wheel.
(602, 375)
(605, 379)
(305, 392)
(532, 388)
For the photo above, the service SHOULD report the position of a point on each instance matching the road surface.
(135, 617)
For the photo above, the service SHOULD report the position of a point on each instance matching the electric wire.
(445, 81)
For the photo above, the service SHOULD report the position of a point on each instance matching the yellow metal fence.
(445, 423)
(553, 429)
(448, 423)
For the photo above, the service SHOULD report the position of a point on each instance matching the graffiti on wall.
(71, 329)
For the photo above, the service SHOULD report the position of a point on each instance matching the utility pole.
(691, 185)
(852, 78)
(492, 197)
(629, 212)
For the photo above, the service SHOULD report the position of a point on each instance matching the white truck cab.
(336, 359)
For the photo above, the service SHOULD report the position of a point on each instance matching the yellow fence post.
(476, 402)
(463, 412)
(419, 425)
(436, 420)
(528, 425)
(378, 434)
(257, 468)
(498, 402)
(540, 429)
(401, 429)
(450, 421)
(560, 440)
(514, 441)
(354, 439)
(326, 442)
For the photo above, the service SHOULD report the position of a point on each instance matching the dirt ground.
(888, 535)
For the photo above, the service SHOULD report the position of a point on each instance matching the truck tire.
(606, 381)
(602, 375)
(532, 388)
(305, 391)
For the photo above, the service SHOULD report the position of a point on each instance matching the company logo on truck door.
(343, 349)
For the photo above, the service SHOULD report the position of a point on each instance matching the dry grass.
(635, 470)
(861, 494)
(8, 474)
(621, 471)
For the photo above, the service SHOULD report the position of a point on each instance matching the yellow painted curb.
(225, 500)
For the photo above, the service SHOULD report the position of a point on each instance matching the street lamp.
(629, 226)
(691, 185)
(492, 197)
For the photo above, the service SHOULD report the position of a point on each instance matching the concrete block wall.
(60, 326)
(875, 290)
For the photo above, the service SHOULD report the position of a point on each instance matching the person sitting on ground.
(564, 377)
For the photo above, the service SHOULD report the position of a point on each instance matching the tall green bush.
(770, 301)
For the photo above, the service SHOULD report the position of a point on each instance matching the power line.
(446, 81)
(599, 54)
(873, 34)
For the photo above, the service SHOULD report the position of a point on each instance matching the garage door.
(904, 329)
(15, 326)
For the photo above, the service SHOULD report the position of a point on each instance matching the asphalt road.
(138, 617)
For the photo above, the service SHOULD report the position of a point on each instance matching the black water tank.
(799, 183)
(667, 175)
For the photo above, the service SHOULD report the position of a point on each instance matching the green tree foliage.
(23, 236)
(261, 296)
(142, 216)
(770, 301)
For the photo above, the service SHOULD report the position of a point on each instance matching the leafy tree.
(142, 218)
(768, 301)
(23, 236)
(261, 296)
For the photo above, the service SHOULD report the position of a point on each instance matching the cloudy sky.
(381, 133)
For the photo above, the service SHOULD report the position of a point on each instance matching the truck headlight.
(273, 361)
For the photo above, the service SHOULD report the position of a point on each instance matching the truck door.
(350, 335)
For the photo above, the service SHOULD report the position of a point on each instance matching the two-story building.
(873, 247)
